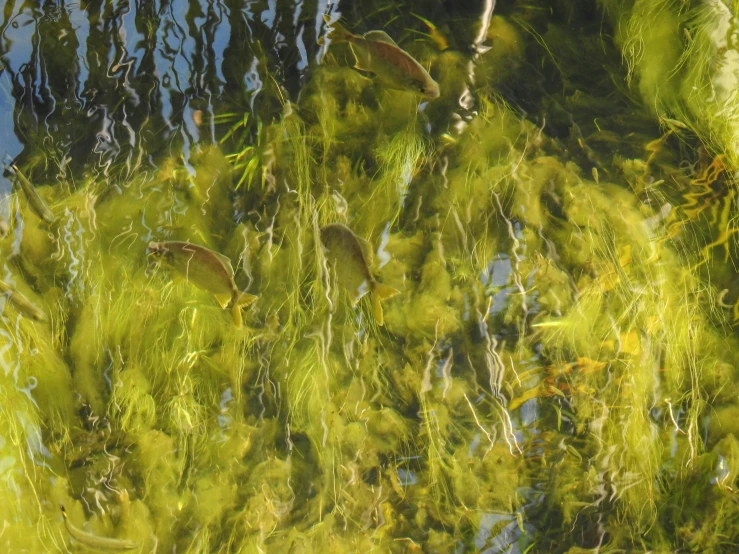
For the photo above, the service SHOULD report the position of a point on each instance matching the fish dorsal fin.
(362, 60)
(380, 36)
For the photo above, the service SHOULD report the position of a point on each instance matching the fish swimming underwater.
(37, 204)
(206, 269)
(351, 258)
(377, 53)
(21, 303)
(95, 541)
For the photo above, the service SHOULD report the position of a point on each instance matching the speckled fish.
(375, 52)
(95, 541)
(21, 303)
(351, 257)
(206, 269)
(37, 204)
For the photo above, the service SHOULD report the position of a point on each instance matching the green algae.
(682, 60)
(557, 374)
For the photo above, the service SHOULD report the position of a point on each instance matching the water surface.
(557, 374)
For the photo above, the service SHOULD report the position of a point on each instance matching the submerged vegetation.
(556, 373)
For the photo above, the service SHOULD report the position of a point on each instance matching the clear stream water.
(557, 374)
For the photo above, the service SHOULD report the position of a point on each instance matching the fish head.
(158, 250)
(426, 87)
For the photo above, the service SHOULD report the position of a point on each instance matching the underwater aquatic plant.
(684, 66)
(558, 373)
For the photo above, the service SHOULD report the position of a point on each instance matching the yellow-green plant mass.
(558, 372)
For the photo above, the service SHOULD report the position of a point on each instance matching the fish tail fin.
(242, 300)
(223, 299)
(236, 315)
(337, 32)
(245, 299)
(381, 292)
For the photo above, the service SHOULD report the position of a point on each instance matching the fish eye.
(156, 249)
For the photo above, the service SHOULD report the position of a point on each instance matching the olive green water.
(557, 374)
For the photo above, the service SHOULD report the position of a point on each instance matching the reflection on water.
(557, 373)
(122, 80)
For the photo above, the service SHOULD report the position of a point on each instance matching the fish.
(207, 270)
(21, 303)
(37, 204)
(351, 258)
(95, 541)
(375, 52)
